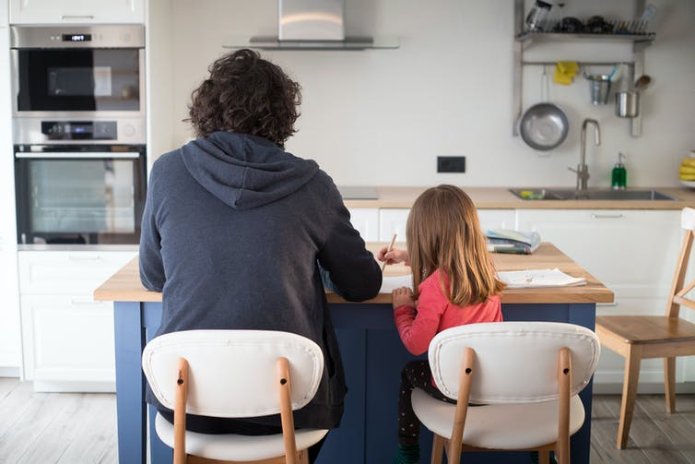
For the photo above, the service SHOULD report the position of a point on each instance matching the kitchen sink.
(591, 194)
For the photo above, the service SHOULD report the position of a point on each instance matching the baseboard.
(43, 386)
(644, 388)
(10, 372)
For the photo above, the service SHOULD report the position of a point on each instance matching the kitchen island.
(372, 353)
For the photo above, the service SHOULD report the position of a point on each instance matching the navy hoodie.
(236, 233)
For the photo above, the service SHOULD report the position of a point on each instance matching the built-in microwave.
(78, 71)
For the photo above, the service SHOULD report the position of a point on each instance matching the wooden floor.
(78, 428)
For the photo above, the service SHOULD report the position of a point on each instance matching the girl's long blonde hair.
(443, 232)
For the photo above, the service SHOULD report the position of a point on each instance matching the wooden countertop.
(125, 285)
(502, 198)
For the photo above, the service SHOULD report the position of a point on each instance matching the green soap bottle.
(619, 174)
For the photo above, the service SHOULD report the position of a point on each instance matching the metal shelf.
(528, 36)
(525, 39)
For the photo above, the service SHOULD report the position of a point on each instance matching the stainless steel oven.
(79, 133)
(80, 193)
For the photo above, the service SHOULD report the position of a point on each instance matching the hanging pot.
(543, 126)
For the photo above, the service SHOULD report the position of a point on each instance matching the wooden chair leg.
(632, 368)
(543, 457)
(438, 445)
(670, 384)
(303, 457)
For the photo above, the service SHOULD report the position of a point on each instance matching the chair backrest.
(679, 288)
(515, 362)
(232, 373)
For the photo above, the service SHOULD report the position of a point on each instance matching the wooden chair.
(641, 337)
(234, 373)
(526, 374)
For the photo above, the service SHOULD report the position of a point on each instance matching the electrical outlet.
(451, 164)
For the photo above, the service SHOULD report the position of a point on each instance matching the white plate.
(688, 183)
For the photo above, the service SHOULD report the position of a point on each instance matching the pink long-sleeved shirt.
(434, 313)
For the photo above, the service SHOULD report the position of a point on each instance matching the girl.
(456, 284)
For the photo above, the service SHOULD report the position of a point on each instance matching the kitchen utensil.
(642, 82)
(543, 126)
(570, 25)
(627, 104)
(535, 20)
(600, 87)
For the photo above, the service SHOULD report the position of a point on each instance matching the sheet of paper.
(539, 278)
(390, 283)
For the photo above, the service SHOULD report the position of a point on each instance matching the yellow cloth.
(565, 72)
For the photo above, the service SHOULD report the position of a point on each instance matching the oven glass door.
(80, 197)
(78, 79)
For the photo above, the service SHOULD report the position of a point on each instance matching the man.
(237, 232)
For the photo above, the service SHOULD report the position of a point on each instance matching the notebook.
(512, 241)
(539, 278)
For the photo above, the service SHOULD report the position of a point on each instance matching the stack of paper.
(539, 278)
(390, 283)
(512, 241)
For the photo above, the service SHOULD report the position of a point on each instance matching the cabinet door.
(392, 221)
(366, 221)
(8, 231)
(10, 346)
(63, 272)
(633, 252)
(497, 219)
(77, 11)
(3, 13)
(625, 249)
(68, 339)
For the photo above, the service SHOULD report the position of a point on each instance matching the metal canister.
(627, 104)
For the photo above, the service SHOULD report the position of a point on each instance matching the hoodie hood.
(245, 171)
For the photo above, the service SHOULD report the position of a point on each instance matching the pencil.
(393, 240)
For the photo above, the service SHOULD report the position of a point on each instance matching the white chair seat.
(501, 426)
(231, 447)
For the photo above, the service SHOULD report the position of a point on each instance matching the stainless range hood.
(314, 25)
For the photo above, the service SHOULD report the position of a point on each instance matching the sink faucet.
(582, 168)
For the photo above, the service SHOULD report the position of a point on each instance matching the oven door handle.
(80, 155)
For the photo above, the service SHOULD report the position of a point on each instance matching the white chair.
(526, 374)
(234, 374)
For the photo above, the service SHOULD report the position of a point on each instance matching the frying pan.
(543, 126)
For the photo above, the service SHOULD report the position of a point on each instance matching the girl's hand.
(403, 297)
(396, 255)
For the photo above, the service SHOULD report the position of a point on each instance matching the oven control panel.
(79, 130)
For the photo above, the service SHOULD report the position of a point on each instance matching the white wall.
(382, 116)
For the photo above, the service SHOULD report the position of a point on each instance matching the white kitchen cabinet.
(497, 219)
(10, 342)
(10, 346)
(632, 252)
(392, 221)
(366, 221)
(67, 337)
(77, 11)
(69, 342)
(3, 13)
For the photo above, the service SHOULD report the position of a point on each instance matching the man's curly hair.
(248, 95)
